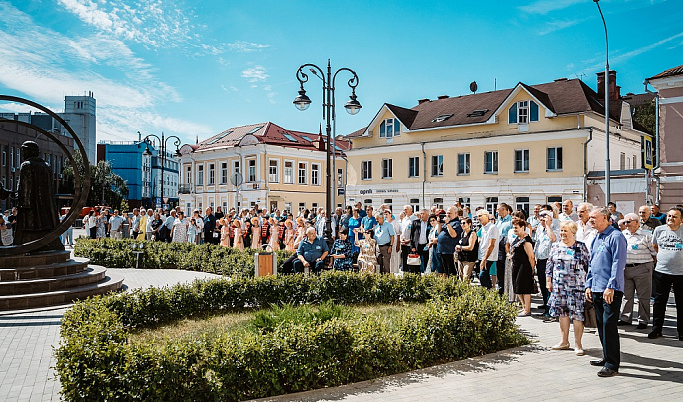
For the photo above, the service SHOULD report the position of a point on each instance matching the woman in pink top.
(237, 232)
(255, 233)
(274, 243)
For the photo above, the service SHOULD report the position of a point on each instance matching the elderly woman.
(566, 278)
(342, 252)
(395, 263)
(179, 232)
(523, 263)
(367, 260)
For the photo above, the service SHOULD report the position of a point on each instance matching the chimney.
(423, 100)
(443, 97)
(614, 89)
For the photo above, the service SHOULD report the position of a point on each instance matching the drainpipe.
(656, 161)
(424, 173)
(346, 170)
(585, 164)
(267, 174)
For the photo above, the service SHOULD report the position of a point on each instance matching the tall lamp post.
(607, 162)
(162, 148)
(352, 106)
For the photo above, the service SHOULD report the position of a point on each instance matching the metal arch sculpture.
(82, 187)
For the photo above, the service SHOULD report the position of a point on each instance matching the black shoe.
(607, 372)
(654, 334)
(641, 326)
(600, 362)
(622, 323)
(680, 337)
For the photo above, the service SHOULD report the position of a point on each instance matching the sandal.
(578, 351)
(560, 346)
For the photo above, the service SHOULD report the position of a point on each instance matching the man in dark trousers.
(209, 227)
(419, 237)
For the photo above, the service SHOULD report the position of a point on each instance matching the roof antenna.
(197, 139)
(473, 87)
(495, 83)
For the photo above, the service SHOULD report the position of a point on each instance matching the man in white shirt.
(488, 247)
(638, 272)
(585, 232)
(568, 211)
(148, 226)
(406, 227)
(116, 226)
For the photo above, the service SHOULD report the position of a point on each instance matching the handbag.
(414, 259)
(590, 320)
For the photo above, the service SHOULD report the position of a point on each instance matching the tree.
(106, 187)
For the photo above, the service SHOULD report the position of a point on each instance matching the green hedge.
(96, 362)
(160, 255)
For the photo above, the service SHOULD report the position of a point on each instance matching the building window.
(236, 166)
(387, 170)
(554, 198)
(188, 175)
(554, 159)
(622, 161)
(522, 204)
(18, 157)
(11, 157)
(200, 175)
(523, 112)
(366, 170)
(491, 204)
(414, 166)
(464, 164)
(314, 208)
(251, 170)
(303, 173)
(389, 128)
(315, 174)
(521, 161)
(289, 172)
(491, 162)
(634, 162)
(437, 165)
(302, 206)
(438, 202)
(274, 170)
(464, 201)
(340, 177)
(212, 174)
(224, 172)
(414, 203)
(4, 156)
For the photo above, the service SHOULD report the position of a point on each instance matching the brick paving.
(650, 369)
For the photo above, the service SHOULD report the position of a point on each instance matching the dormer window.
(442, 117)
(389, 128)
(523, 112)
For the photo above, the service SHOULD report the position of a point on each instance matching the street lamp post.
(607, 162)
(162, 148)
(302, 102)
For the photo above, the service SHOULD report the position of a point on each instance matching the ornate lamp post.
(162, 148)
(607, 162)
(352, 106)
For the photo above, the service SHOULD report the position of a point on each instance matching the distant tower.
(79, 112)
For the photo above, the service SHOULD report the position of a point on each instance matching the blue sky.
(196, 68)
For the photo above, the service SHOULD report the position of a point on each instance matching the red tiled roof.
(668, 73)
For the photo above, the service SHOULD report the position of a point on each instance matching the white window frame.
(491, 204)
(494, 162)
(200, 175)
(236, 166)
(387, 168)
(212, 174)
(302, 174)
(522, 153)
(288, 172)
(366, 170)
(274, 170)
(251, 170)
(437, 166)
(315, 174)
(224, 172)
(558, 161)
(414, 166)
(389, 128)
(340, 177)
(523, 118)
(466, 168)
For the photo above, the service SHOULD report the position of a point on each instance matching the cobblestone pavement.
(650, 369)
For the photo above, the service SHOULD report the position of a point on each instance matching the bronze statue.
(37, 212)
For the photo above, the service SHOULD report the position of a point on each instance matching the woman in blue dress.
(342, 252)
(354, 223)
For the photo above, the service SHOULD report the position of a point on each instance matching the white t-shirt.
(488, 232)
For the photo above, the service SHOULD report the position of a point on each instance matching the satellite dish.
(473, 86)
(236, 179)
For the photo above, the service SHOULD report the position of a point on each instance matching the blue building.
(142, 173)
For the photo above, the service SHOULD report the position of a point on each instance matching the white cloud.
(255, 74)
(636, 52)
(245, 47)
(554, 26)
(546, 6)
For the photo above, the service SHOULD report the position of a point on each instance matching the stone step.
(111, 283)
(34, 259)
(91, 274)
(72, 266)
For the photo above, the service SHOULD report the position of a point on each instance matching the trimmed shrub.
(160, 255)
(95, 361)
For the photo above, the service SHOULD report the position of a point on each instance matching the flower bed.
(96, 359)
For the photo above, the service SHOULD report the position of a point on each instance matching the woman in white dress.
(179, 229)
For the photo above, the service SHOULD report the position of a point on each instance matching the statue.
(37, 212)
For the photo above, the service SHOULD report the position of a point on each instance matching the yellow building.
(274, 168)
(524, 145)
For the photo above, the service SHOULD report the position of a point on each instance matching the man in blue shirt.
(605, 287)
(368, 222)
(385, 237)
(311, 253)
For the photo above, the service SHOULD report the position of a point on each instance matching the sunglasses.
(629, 221)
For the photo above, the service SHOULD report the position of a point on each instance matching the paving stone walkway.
(650, 369)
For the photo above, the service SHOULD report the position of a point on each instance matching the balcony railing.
(185, 189)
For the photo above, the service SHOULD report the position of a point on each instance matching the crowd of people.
(577, 258)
